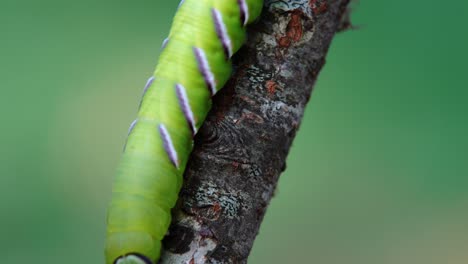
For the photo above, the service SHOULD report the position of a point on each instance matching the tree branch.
(242, 147)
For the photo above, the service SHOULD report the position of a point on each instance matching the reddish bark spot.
(284, 42)
(322, 8)
(235, 164)
(253, 117)
(247, 100)
(216, 208)
(214, 212)
(271, 87)
(293, 30)
(250, 116)
(318, 6)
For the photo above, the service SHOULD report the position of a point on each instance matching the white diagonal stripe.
(164, 44)
(205, 69)
(132, 126)
(244, 10)
(147, 86)
(222, 32)
(168, 145)
(185, 105)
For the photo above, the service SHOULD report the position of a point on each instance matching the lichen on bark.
(241, 149)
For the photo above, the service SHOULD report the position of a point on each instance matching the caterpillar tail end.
(133, 258)
(132, 248)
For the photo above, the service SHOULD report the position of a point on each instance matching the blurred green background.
(378, 172)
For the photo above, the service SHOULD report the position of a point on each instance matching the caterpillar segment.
(193, 66)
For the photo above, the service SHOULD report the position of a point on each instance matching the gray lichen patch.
(290, 5)
(275, 109)
(213, 200)
(257, 75)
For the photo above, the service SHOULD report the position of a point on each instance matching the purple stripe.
(181, 2)
(132, 126)
(244, 11)
(147, 86)
(168, 146)
(164, 44)
(204, 68)
(130, 129)
(222, 32)
(186, 109)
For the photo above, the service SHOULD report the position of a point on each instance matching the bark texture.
(242, 147)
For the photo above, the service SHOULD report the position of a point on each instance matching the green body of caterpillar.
(193, 66)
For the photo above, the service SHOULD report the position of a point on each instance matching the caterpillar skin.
(193, 66)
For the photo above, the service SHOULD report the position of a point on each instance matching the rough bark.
(242, 147)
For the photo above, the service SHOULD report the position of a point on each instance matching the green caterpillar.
(193, 66)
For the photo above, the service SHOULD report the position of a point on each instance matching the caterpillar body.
(194, 64)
